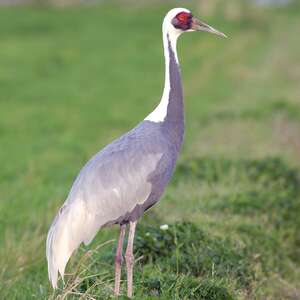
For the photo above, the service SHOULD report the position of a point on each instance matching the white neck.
(170, 36)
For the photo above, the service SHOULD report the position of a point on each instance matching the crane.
(128, 176)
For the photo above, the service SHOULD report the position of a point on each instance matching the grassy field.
(74, 79)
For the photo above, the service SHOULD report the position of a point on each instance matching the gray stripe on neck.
(174, 121)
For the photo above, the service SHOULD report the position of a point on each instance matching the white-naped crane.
(129, 175)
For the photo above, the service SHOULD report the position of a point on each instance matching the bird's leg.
(118, 260)
(130, 258)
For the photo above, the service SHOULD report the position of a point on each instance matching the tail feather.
(52, 272)
(72, 226)
(58, 248)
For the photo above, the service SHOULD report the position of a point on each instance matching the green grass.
(74, 79)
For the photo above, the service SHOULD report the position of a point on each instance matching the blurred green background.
(74, 75)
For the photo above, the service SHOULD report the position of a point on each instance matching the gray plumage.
(120, 182)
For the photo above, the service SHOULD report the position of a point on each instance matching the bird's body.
(126, 177)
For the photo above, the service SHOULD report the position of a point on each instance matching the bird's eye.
(182, 20)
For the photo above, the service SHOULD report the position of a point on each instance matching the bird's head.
(180, 20)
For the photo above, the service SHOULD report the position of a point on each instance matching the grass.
(73, 79)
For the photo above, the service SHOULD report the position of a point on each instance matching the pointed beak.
(201, 26)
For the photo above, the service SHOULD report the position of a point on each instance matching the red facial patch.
(183, 17)
(183, 20)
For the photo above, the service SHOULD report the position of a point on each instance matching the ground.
(73, 79)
